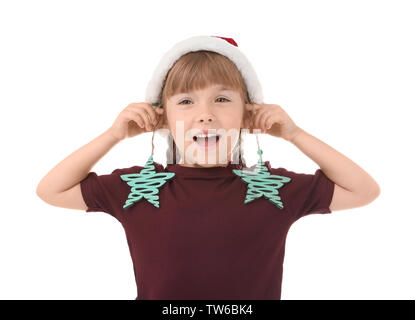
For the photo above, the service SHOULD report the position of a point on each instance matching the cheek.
(232, 119)
(174, 124)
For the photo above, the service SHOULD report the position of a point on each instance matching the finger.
(258, 117)
(264, 118)
(256, 107)
(136, 117)
(252, 108)
(142, 113)
(254, 124)
(269, 122)
(146, 108)
(266, 121)
(145, 114)
(161, 120)
(149, 124)
(159, 110)
(151, 111)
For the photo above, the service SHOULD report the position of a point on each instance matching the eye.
(183, 101)
(223, 98)
(189, 100)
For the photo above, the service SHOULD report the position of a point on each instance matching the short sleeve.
(107, 192)
(306, 193)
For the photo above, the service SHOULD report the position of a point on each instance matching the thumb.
(159, 110)
(248, 106)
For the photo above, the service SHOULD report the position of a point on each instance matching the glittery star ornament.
(262, 183)
(145, 184)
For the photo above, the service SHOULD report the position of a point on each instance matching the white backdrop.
(343, 71)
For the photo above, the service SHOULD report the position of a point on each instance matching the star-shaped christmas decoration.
(262, 183)
(145, 184)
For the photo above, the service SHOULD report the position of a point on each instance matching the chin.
(211, 163)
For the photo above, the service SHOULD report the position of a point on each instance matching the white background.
(343, 71)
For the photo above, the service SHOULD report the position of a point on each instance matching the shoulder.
(305, 193)
(290, 173)
(126, 170)
(303, 183)
(158, 167)
(279, 170)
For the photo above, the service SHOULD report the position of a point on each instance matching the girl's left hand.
(273, 120)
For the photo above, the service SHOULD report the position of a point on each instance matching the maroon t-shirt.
(204, 242)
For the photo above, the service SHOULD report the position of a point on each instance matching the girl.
(205, 226)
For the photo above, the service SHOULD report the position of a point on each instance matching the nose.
(206, 118)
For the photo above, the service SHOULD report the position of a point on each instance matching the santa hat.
(225, 46)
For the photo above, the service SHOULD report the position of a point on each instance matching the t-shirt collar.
(209, 171)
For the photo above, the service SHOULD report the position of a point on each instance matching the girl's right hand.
(135, 119)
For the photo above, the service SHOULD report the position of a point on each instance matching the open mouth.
(207, 141)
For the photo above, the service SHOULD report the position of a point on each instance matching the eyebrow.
(221, 88)
(225, 88)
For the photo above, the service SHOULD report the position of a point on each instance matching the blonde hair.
(195, 71)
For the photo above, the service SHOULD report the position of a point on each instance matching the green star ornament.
(145, 184)
(262, 183)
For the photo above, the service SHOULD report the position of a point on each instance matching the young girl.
(205, 226)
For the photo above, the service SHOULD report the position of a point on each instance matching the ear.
(163, 123)
(246, 120)
(163, 118)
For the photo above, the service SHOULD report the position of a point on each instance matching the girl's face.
(215, 110)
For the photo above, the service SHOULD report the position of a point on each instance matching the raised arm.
(61, 185)
(354, 187)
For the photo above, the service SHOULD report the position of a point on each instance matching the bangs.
(200, 69)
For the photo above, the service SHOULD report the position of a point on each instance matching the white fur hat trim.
(210, 43)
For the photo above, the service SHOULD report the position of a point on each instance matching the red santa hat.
(225, 46)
